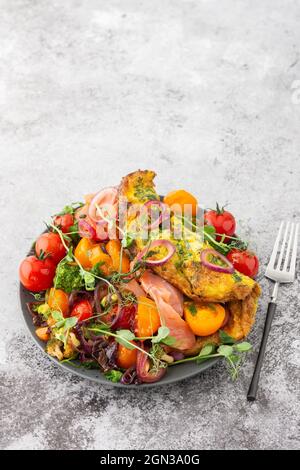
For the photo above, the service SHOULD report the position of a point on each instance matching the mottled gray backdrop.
(207, 94)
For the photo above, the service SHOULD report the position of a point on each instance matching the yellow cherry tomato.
(113, 248)
(147, 317)
(96, 255)
(126, 357)
(181, 198)
(204, 319)
(58, 300)
(82, 252)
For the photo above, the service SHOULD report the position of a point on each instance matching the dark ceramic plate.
(174, 374)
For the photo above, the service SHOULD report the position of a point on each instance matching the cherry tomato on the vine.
(64, 222)
(37, 274)
(245, 262)
(223, 222)
(50, 245)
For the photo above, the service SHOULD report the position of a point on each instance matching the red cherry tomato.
(223, 222)
(51, 245)
(64, 222)
(82, 310)
(244, 261)
(37, 274)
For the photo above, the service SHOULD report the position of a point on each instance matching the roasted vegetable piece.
(43, 333)
(54, 348)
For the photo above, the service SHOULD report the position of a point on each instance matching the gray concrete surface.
(206, 94)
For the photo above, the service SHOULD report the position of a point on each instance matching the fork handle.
(252, 392)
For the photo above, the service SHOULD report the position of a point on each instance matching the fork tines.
(282, 264)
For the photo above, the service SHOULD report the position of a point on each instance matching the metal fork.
(280, 274)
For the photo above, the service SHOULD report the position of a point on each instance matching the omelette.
(236, 292)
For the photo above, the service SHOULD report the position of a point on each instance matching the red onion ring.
(229, 269)
(129, 377)
(100, 291)
(166, 243)
(85, 229)
(143, 369)
(177, 355)
(162, 216)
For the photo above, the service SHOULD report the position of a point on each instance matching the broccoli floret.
(68, 277)
(113, 375)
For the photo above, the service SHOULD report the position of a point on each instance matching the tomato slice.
(244, 261)
(82, 310)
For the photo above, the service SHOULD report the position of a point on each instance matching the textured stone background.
(200, 91)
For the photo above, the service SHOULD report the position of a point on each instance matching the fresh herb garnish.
(113, 375)
(162, 336)
(62, 326)
(68, 277)
(96, 269)
(236, 277)
(74, 233)
(192, 308)
(71, 208)
(125, 337)
(225, 338)
(232, 354)
(40, 296)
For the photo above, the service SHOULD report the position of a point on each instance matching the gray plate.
(174, 374)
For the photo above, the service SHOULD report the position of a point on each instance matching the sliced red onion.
(85, 229)
(105, 197)
(177, 355)
(205, 254)
(125, 317)
(143, 369)
(166, 243)
(130, 377)
(100, 291)
(164, 213)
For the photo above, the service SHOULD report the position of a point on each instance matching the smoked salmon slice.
(169, 302)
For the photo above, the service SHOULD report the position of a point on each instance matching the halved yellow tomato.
(204, 319)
